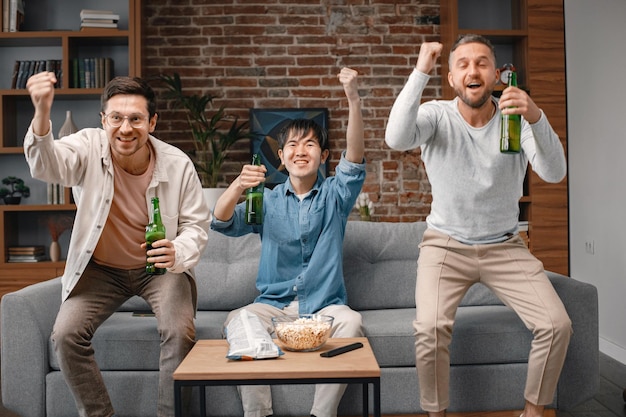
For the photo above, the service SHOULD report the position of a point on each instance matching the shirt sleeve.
(545, 152)
(405, 130)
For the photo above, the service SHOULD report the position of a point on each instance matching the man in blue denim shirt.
(304, 220)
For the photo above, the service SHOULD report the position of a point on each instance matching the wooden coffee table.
(206, 365)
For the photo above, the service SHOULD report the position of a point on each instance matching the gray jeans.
(100, 291)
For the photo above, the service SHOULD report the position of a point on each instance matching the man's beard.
(475, 104)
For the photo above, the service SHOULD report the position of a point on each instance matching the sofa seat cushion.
(125, 342)
(482, 335)
(485, 334)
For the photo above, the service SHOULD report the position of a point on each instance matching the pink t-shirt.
(124, 232)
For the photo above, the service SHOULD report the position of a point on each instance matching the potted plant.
(213, 134)
(17, 189)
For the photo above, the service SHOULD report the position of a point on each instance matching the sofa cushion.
(126, 342)
(380, 264)
(477, 338)
(225, 274)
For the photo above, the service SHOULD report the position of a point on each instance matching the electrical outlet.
(590, 247)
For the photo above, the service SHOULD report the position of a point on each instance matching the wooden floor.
(608, 402)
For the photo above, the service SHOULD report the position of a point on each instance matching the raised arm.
(354, 133)
(402, 132)
(41, 89)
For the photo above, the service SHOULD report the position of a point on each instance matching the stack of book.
(98, 19)
(22, 70)
(90, 72)
(27, 254)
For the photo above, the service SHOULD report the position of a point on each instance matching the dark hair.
(300, 128)
(472, 38)
(129, 86)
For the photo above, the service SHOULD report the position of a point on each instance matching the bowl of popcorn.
(302, 332)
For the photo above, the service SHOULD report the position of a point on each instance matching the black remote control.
(340, 350)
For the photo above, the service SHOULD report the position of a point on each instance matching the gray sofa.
(489, 350)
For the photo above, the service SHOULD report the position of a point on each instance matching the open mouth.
(474, 85)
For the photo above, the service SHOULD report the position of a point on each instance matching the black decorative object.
(264, 127)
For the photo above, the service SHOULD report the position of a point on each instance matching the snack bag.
(248, 339)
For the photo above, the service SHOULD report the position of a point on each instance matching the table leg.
(178, 406)
(202, 400)
(366, 400)
(377, 398)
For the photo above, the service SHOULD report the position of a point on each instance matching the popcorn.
(303, 333)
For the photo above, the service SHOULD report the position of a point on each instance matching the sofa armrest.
(580, 377)
(27, 317)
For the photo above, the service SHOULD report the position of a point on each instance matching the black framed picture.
(265, 125)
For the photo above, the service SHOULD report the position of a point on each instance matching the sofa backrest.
(380, 263)
(380, 266)
(226, 273)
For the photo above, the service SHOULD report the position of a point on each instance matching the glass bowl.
(302, 332)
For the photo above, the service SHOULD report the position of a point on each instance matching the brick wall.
(286, 53)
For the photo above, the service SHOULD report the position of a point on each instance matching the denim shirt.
(302, 241)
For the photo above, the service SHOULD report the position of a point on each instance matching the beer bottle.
(511, 128)
(154, 231)
(254, 199)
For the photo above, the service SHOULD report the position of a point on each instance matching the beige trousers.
(257, 399)
(446, 270)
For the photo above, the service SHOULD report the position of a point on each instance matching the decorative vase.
(11, 199)
(68, 126)
(55, 251)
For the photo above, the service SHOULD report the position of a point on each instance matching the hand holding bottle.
(254, 198)
(514, 100)
(159, 250)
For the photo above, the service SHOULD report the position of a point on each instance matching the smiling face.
(302, 156)
(473, 74)
(128, 140)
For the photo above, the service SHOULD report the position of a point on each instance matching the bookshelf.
(51, 31)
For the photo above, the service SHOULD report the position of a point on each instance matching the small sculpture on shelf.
(17, 189)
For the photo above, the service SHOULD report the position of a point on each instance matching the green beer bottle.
(254, 199)
(154, 231)
(511, 129)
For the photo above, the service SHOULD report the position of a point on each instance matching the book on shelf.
(55, 194)
(91, 72)
(15, 11)
(27, 258)
(27, 250)
(109, 21)
(35, 253)
(99, 19)
(97, 25)
(5, 15)
(99, 15)
(22, 70)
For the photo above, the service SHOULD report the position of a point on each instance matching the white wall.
(595, 37)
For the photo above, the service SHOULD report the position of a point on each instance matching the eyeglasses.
(117, 120)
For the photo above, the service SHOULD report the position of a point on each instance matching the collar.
(316, 187)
